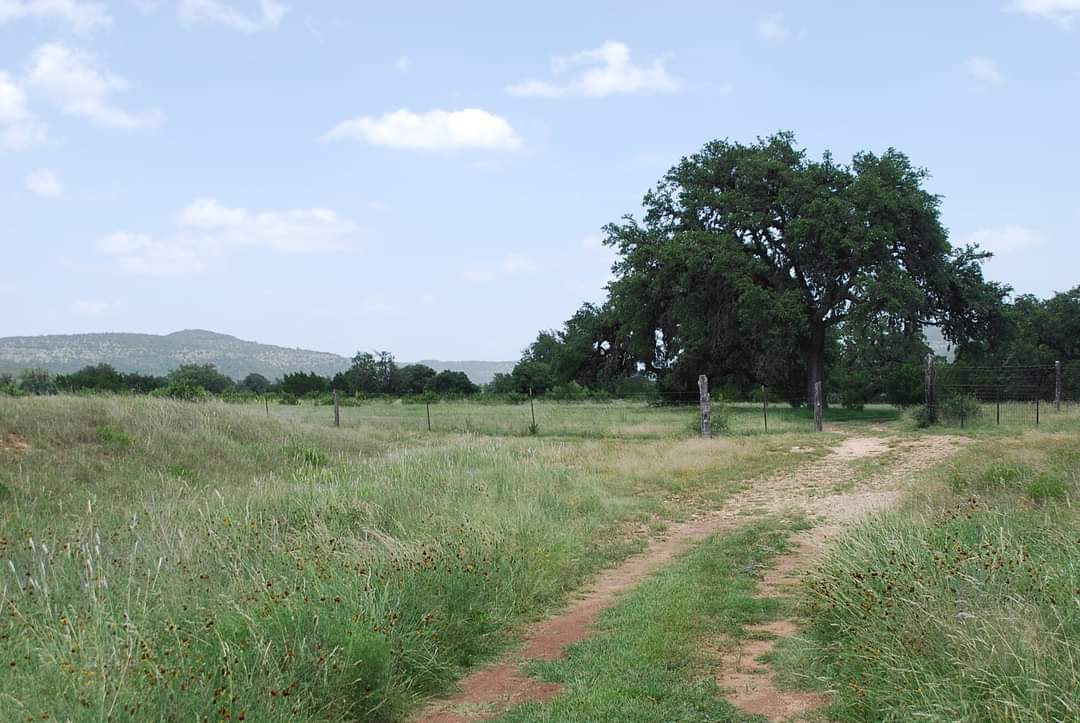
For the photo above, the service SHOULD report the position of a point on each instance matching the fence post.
(337, 410)
(1057, 386)
(706, 410)
(532, 412)
(765, 406)
(266, 399)
(931, 374)
(819, 421)
(428, 404)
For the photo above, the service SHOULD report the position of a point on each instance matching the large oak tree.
(749, 255)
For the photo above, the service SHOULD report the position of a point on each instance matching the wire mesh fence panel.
(1008, 396)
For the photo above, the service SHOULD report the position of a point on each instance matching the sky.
(433, 178)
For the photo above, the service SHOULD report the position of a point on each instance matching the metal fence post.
(706, 411)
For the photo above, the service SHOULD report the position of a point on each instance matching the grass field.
(621, 419)
(162, 560)
(962, 604)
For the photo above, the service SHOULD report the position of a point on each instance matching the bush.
(923, 416)
(182, 391)
(961, 407)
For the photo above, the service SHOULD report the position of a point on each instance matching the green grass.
(586, 420)
(654, 655)
(189, 561)
(963, 604)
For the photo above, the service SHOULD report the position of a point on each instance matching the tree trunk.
(815, 364)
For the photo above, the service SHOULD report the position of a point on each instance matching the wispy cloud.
(607, 70)
(772, 28)
(79, 15)
(77, 83)
(19, 129)
(509, 265)
(207, 231)
(403, 64)
(90, 307)
(1005, 240)
(436, 130)
(1063, 12)
(46, 183)
(268, 17)
(983, 69)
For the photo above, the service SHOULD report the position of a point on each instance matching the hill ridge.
(160, 353)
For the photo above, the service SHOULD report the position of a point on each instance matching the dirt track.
(832, 490)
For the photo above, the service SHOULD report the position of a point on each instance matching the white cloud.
(403, 64)
(983, 69)
(378, 306)
(519, 264)
(773, 28)
(478, 274)
(1006, 239)
(139, 253)
(1062, 12)
(90, 307)
(74, 81)
(45, 182)
(19, 129)
(207, 231)
(509, 265)
(436, 130)
(608, 70)
(269, 16)
(81, 16)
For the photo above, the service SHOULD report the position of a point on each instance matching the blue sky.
(432, 178)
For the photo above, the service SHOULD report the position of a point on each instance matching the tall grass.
(176, 561)
(964, 605)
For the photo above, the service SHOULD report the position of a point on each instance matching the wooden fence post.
(765, 406)
(1057, 386)
(819, 421)
(266, 400)
(931, 380)
(428, 416)
(337, 410)
(706, 409)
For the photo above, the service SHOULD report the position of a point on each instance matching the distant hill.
(157, 354)
(480, 372)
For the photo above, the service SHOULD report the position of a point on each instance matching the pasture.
(178, 561)
(163, 560)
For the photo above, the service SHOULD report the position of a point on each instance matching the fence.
(955, 395)
(1015, 395)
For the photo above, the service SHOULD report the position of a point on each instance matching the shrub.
(961, 407)
(182, 391)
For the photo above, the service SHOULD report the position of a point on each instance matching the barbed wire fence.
(956, 395)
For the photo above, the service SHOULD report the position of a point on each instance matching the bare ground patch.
(14, 442)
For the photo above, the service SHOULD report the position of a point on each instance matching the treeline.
(370, 375)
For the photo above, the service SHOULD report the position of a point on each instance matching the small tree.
(201, 376)
(448, 382)
(36, 381)
(256, 383)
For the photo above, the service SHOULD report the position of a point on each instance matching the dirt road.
(859, 475)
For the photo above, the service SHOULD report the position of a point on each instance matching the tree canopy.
(749, 257)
